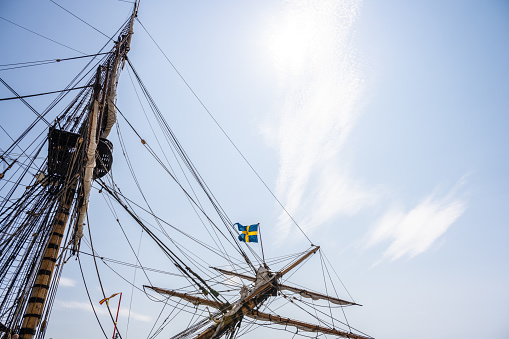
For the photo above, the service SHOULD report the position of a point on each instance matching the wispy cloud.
(322, 84)
(101, 309)
(67, 282)
(413, 232)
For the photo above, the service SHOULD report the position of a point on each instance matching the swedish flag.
(249, 233)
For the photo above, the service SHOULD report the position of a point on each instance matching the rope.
(187, 179)
(61, 44)
(132, 287)
(224, 132)
(98, 275)
(150, 150)
(90, 299)
(44, 62)
(74, 15)
(45, 93)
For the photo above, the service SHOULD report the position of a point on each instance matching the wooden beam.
(302, 325)
(235, 315)
(315, 296)
(302, 292)
(298, 261)
(234, 274)
(187, 297)
(35, 307)
(247, 308)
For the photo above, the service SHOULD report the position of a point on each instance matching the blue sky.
(382, 128)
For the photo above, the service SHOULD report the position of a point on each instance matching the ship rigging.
(48, 181)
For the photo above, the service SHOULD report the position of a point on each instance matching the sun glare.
(291, 39)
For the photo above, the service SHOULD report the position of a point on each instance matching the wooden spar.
(192, 299)
(93, 137)
(234, 274)
(35, 306)
(252, 301)
(302, 325)
(228, 320)
(258, 316)
(298, 261)
(263, 289)
(302, 292)
(315, 296)
(232, 318)
(122, 46)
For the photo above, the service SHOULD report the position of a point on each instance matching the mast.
(98, 125)
(103, 120)
(34, 311)
(35, 308)
(72, 180)
(266, 285)
(257, 315)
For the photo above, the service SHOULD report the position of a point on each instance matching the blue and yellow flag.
(249, 233)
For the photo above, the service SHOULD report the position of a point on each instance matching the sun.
(290, 40)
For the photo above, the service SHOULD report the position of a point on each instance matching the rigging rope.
(45, 62)
(21, 98)
(90, 299)
(98, 275)
(171, 138)
(132, 288)
(45, 93)
(181, 266)
(183, 172)
(75, 80)
(141, 192)
(61, 44)
(224, 132)
(150, 150)
(74, 15)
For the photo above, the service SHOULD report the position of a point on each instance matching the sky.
(381, 127)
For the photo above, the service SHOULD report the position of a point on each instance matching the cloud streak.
(66, 282)
(413, 232)
(124, 312)
(322, 86)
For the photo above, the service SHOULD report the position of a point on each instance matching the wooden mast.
(248, 307)
(255, 298)
(264, 288)
(35, 306)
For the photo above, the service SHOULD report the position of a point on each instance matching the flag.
(107, 299)
(249, 233)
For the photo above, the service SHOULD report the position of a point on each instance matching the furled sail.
(300, 291)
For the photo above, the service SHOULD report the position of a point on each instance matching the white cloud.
(66, 282)
(413, 232)
(333, 192)
(101, 309)
(322, 86)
